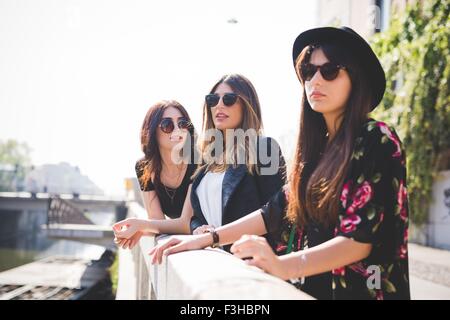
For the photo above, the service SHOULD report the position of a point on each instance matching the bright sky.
(77, 77)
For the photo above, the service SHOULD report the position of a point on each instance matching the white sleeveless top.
(209, 193)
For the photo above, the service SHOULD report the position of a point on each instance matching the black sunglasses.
(228, 99)
(167, 125)
(329, 71)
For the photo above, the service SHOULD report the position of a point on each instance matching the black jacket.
(242, 192)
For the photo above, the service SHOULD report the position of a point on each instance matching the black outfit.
(242, 192)
(171, 208)
(373, 209)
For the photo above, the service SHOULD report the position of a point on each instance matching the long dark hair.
(151, 164)
(319, 166)
(251, 117)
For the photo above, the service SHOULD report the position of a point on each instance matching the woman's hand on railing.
(131, 242)
(203, 229)
(128, 227)
(180, 243)
(128, 232)
(257, 252)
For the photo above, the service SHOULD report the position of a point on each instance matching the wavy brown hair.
(319, 166)
(151, 164)
(251, 120)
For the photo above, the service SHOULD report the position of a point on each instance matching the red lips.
(221, 115)
(316, 94)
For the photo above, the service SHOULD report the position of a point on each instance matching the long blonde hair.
(251, 120)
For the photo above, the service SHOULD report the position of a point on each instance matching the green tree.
(15, 161)
(415, 55)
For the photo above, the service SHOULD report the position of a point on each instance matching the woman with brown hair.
(343, 217)
(234, 178)
(164, 173)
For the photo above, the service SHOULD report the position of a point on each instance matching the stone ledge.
(205, 274)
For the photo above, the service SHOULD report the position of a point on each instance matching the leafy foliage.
(415, 55)
(14, 163)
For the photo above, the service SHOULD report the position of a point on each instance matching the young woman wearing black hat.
(344, 215)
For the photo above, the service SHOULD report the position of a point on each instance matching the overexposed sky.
(77, 77)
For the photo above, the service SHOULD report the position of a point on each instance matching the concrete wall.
(199, 274)
(436, 231)
(439, 213)
(21, 218)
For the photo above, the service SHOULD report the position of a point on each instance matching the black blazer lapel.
(231, 180)
(194, 198)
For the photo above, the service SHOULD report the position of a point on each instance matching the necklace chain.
(169, 191)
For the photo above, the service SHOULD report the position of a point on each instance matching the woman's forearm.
(167, 226)
(179, 225)
(252, 223)
(333, 254)
(152, 205)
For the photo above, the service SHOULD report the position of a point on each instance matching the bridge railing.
(61, 211)
(202, 274)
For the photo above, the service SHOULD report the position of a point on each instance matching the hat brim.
(354, 42)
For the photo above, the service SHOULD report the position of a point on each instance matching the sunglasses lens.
(307, 71)
(229, 99)
(183, 124)
(167, 125)
(212, 100)
(329, 71)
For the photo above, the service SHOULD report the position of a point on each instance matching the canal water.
(22, 240)
(29, 247)
(28, 244)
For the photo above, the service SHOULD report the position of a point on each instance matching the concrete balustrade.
(200, 274)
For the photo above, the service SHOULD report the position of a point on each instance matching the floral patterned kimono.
(373, 209)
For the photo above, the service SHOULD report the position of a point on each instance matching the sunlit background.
(77, 77)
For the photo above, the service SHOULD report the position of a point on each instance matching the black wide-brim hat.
(348, 38)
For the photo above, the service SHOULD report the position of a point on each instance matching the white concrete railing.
(202, 274)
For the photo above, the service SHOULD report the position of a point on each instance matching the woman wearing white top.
(227, 187)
